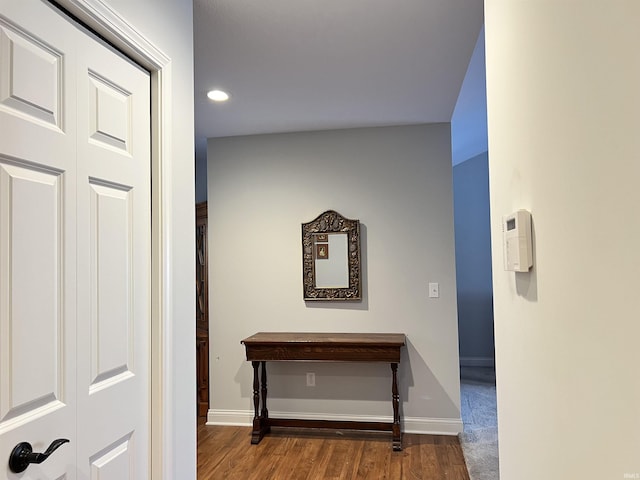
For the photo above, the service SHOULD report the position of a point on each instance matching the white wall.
(563, 88)
(473, 260)
(397, 182)
(168, 24)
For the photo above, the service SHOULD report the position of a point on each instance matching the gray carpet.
(479, 439)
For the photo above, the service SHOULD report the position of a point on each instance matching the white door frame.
(105, 21)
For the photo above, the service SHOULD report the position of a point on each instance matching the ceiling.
(294, 65)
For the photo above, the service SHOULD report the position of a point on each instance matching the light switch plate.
(434, 290)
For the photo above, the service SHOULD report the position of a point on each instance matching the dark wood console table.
(266, 347)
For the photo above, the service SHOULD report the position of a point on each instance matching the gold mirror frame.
(331, 222)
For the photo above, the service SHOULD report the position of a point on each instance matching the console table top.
(336, 347)
(287, 338)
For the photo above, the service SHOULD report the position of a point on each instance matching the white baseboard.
(237, 418)
(477, 362)
(421, 425)
(432, 426)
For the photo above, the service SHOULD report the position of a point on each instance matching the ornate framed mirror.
(331, 258)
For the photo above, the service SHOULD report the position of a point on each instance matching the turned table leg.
(260, 416)
(263, 390)
(397, 434)
(256, 433)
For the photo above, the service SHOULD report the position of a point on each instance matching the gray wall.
(473, 260)
(397, 182)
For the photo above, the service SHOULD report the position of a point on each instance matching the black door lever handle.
(22, 455)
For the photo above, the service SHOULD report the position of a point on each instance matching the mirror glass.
(331, 258)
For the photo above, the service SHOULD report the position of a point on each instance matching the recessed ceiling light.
(218, 96)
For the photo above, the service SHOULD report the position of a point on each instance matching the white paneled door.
(74, 249)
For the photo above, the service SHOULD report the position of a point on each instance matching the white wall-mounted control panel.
(517, 245)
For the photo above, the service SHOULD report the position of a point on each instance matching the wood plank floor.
(225, 453)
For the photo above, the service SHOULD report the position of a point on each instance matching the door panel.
(31, 339)
(113, 264)
(109, 114)
(31, 75)
(74, 249)
(37, 237)
(114, 462)
(111, 320)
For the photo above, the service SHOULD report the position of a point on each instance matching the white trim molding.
(236, 418)
(420, 425)
(99, 16)
(432, 426)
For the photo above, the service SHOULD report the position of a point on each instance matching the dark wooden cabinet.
(202, 311)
